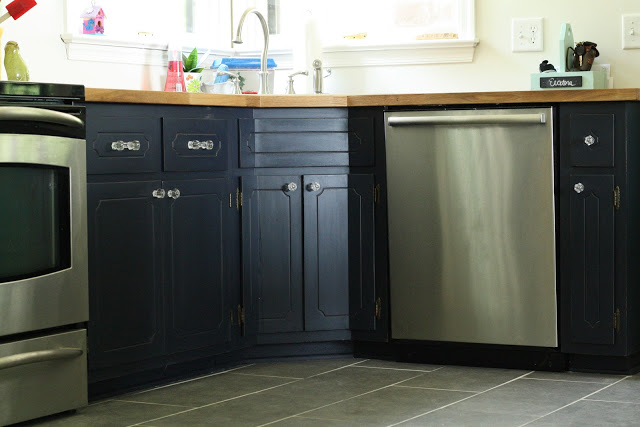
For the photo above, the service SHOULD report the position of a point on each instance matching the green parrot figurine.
(14, 64)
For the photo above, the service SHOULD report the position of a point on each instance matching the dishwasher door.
(472, 226)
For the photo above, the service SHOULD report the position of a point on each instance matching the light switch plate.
(631, 31)
(527, 35)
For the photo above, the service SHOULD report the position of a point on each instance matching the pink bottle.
(175, 72)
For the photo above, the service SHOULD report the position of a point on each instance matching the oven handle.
(39, 115)
(38, 357)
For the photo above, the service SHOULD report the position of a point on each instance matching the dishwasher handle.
(478, 119)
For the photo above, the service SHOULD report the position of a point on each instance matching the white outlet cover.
(527, 35)
(631, 31)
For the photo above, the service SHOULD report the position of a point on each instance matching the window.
(138, 31)
(383, 32)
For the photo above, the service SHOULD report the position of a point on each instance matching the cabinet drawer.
(592, 139)
(294, 142)
(196, 144)
(123, 145)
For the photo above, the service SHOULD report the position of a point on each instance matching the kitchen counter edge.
(293, 101)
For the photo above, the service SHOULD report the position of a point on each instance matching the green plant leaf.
(190, 63)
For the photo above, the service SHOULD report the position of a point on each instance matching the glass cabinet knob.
(292, 186)
(578, 188)
(589, 140)
(314, 186)
(174, 194)
(159, 193)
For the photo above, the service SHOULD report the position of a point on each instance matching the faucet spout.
(264, 83)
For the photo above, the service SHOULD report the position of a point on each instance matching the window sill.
(352, 54)
(143, 51)
(355, 54)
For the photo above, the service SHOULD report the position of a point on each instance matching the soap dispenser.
(175, 71)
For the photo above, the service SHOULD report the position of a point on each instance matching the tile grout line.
(137, 402)
(437, 389)
(337, 369)
(612, 401)
(268, 376)
(212, 404)
(576, 401)
(564, 381)
(397, 369)
(339, 401)
(188, 381)
(461, 400)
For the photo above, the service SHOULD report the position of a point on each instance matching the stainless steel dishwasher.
(471, 226)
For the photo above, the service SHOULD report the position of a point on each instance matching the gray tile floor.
(358, 392)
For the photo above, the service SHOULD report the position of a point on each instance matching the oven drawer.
(196, 144)
(123, 145)
(43, 376)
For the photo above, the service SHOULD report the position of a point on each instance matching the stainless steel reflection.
(471, 226)
(59, 298)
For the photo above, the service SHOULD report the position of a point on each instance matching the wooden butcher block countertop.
(425, 99)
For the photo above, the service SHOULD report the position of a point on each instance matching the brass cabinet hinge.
(379, 308)
(230, 202)
(240, 315)
(376, 194)
(616, 198)
(616, 320)
(238, 199)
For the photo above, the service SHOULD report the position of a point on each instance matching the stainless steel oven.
(43, 250)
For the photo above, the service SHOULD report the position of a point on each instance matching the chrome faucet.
(264, 85)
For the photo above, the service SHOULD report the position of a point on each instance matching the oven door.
(43, 264)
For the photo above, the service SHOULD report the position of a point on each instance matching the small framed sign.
(557, 82)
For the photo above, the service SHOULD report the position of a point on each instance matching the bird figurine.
(14, 64)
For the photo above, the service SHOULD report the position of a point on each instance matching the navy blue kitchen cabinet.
(229, 231)
(125, 272)
(599, 207)
(308, 251)
(308, 224)
(164, 237)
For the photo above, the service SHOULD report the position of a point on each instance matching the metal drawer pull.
(578, 188)
(129, 145)
(31, 114)
(38, 356)
(174, 194)
(589, 140)
(314, 186)
(159, 193)
(292, 186)
(200, 145)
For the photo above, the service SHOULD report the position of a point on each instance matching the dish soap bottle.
(175, 71)
(14, 64)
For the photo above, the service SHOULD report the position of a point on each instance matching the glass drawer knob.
(589, 140)
(578, 188)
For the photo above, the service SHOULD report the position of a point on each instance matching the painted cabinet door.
(338, 252)
(125, 273)
(272, 253)
(198, 227)
(591, 260)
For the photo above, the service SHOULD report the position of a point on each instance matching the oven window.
(34, 221)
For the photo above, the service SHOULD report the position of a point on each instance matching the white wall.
(494, 68)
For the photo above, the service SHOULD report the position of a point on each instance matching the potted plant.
(192, 73)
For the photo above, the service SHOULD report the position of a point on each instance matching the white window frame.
(139, 50)
(350, 53)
